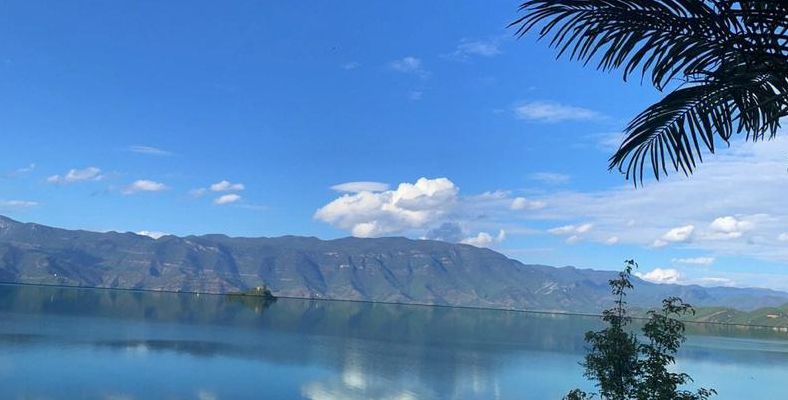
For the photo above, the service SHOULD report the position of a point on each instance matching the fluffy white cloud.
(368, 214)
(723, 228)
(77, 175)
(660, 275)
(724, 186)
(409, 65)
(695, 260)
(545, 111)
(362, 186)
(227, 199)
(484, 239)
(521, 203)
(144, 185)
(227, 186)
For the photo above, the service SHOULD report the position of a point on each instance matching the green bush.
(624, 366)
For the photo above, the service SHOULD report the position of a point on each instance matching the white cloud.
(16, 204)
(144, 185)
(562, 230)
(368, 214)
(660, 275)
(571, 229)
(695, 260)
(724, 228)
(674, 276)
(350, 65)
(409, 65)
(545, 111)
(659, 243)
(21, 171)
(484, 239)
(724, 185)
(152, 234)
(221, 186)
(148, 150)
(551, 178)
(521, 203)
(574, 239)
(227, 186)
(415, 95)
(575, 232)
(710, 281)
(227, 199)
(584, 228)
(675, 235)
(77, 175)
(361, 186)
(476, 48)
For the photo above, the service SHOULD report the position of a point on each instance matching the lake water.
(58, 343)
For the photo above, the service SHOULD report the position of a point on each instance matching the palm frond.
(668, 38)
(730, 58)
(677, 129)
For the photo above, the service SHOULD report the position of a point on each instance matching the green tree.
(724, 64)
(624, 366)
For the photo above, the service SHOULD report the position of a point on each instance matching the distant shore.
(775, 328)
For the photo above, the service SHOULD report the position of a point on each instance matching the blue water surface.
(64, 343)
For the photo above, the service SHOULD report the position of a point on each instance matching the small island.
(258, 298)
(259, 291)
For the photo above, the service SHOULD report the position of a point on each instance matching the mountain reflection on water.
(211, 347)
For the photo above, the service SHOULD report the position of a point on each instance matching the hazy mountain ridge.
(384, 269)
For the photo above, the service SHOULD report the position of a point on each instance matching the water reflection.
(204, 347)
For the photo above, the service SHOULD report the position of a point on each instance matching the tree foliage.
(727, 58)
(624, 366)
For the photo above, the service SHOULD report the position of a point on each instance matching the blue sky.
(247, 118)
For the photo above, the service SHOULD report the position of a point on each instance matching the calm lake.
(58, 343)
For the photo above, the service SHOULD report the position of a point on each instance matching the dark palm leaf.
(729, 59)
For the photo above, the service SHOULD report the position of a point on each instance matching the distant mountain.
(386, 270)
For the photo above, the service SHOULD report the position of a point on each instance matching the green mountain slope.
(767, 316)
(384, 270)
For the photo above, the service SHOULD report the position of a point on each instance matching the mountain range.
(394, 269)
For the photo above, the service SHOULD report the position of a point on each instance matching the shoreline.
(539, 312)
